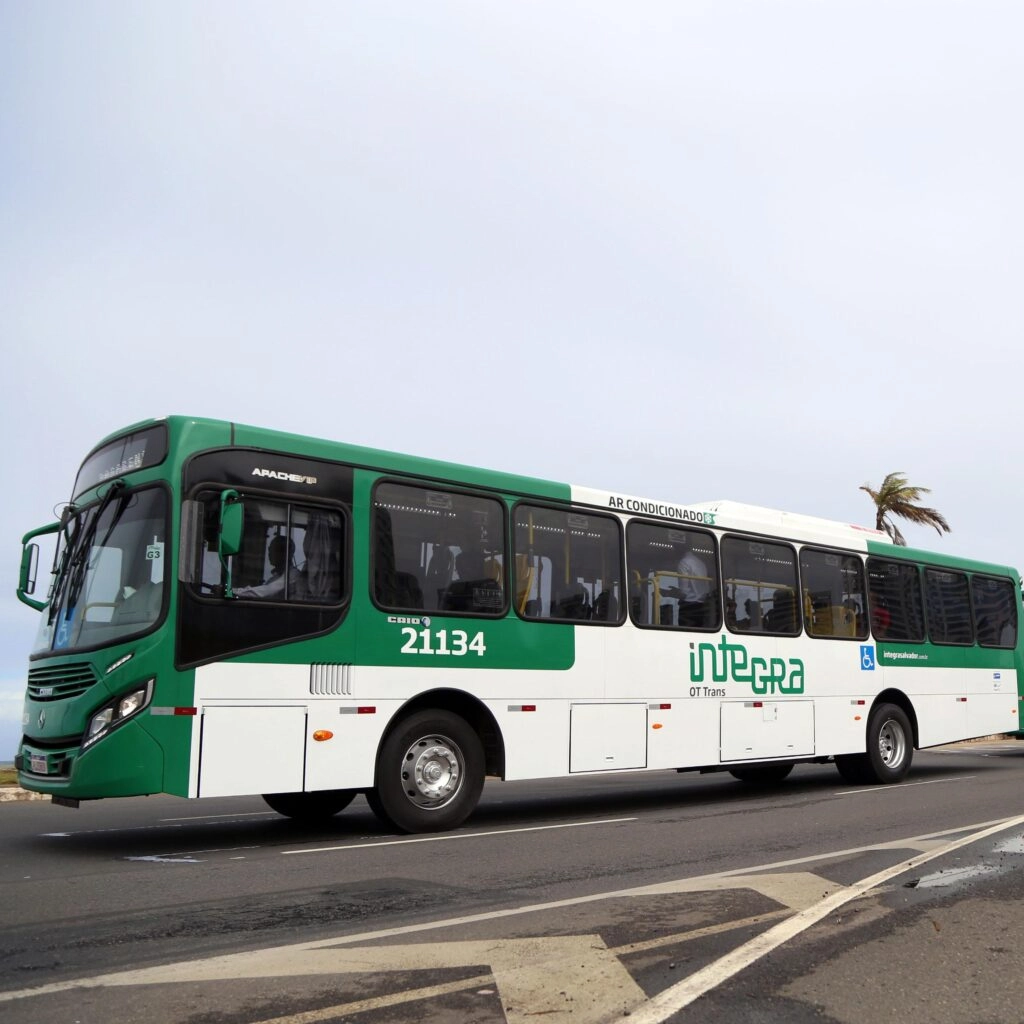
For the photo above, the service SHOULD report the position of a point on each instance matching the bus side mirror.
(30, 566)
(229, 539)
(27, 579)
(229, 535)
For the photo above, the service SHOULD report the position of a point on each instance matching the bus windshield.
(109, 580)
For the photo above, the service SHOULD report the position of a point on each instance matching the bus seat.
(408, 593)
(573, 603)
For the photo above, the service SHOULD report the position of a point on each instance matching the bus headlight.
(119, 710)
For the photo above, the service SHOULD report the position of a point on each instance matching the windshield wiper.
(70, 524)
(79, 559)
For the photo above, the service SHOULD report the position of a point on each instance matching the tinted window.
(290, 553)
(125, 455)
(995, 611)
(760, 579)
(894, 601)
(948, 606)
(568, 565)
(833, 594)
(438, 551)
(289, 578)
(673, 577)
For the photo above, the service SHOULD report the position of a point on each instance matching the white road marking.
(382, 1002)
(221, 817)
(429, 992)
(878, 790)
(545, 955)
(154, 859)
(672, 1000)
(188, 856)
(451, 836)
(104, 831)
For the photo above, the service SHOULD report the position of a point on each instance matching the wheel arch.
(466, 706)
(904, 703)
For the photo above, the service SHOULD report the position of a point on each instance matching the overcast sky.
(766, 251)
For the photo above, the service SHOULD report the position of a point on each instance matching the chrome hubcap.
(892, 744)
(432, 771)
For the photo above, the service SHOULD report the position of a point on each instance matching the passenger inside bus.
(750, 619)
(782, 617)
(283, 571)
(694, 586)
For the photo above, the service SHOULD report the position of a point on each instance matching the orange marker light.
(323, 734)
(655, 725)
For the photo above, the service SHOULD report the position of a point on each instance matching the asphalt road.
(659, 898)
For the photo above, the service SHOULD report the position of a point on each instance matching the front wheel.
(310, 807)
(430, 772)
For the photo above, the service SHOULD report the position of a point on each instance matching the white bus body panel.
(252, 750)
(757, 730)
(607, 737)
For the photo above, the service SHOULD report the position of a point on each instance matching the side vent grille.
(330, 680)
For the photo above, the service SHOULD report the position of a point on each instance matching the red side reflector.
(185, 711)
(757, 704)
(528, 707)
(366, 711)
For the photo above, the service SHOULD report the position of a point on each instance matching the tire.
(310, 807)
(762, 774)
(430, 772)
(890, 744)
(854, 768)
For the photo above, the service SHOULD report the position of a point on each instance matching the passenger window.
(673, 577)
(833, 594)
(895, 605)
(948, 606)
(760, 582)
(995, 611)
(568, 565)
(438, 551)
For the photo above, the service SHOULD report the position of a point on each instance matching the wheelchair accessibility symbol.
(867, 658)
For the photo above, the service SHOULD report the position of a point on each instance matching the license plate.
(38, 765)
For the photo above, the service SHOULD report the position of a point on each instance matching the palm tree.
(898, 498)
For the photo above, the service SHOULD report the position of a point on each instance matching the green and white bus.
(238, 611)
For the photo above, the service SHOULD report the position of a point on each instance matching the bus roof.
(722, 514)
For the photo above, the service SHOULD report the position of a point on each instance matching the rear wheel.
(762, 774)
(890, 743)
(430, 773)
(890, 749)
(310, 806)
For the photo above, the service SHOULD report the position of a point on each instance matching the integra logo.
(280, 474)
(765, 675)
